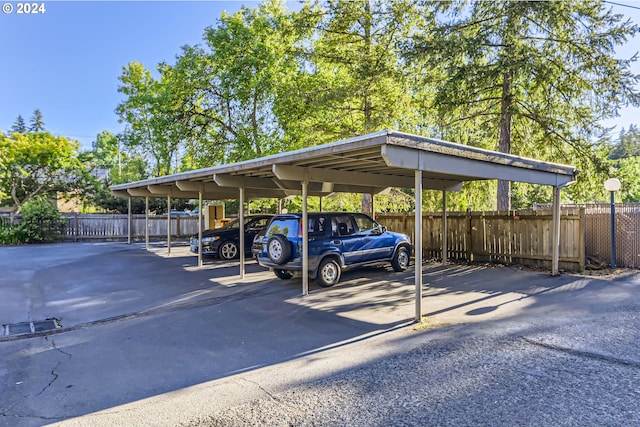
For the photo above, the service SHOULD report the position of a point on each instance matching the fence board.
(115, 227)
(521, 237)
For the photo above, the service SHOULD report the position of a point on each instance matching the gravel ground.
(584, 372)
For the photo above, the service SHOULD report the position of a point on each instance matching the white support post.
(130, 221)
(241, 212)
(169, 225)
(555, 252)
(200, 227)
(444, 227)
(305, 239)
(418, 246)
(146, 222)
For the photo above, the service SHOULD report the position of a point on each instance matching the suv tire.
(278, 249)
(328, 273)
(400, 261)
(282, 274)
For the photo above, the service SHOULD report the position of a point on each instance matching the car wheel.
(283, 274)
(328, 273)
(228, 250)
(400, 261)
(278, 249)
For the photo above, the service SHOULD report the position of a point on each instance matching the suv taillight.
(300, 229)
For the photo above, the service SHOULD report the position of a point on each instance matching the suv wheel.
(278, 249)
(400, 261)
(282, 274)
(328, 273)
(228, 250)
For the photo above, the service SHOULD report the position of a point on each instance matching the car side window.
(365, 223)
(317, 226)
(259, 223)
(341, 225)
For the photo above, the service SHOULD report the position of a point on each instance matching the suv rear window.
(288, 227)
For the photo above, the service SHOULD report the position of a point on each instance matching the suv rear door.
(346, 238)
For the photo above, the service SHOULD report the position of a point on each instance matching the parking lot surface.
(150, 339)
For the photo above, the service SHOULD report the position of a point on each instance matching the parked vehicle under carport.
(224, 242)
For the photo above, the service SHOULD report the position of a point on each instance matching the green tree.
(113, 164)
(628, 144)
(19, 126)
(41, 221)
(628, 172)
(357, 82)
(226, 94)
(35, 164)
(36, 124)
(539, 75)
(150, 130)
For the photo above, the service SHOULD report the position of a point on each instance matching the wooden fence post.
(469, 236)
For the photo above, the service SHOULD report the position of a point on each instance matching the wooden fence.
(519, 237)
(116, 227)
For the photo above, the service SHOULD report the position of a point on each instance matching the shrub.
(11, 234)
(41, 221)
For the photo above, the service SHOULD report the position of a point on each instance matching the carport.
(366, 164)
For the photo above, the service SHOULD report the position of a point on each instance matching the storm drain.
(31, 327)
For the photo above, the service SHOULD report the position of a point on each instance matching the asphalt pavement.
(150, 339)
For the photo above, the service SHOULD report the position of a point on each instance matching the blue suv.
(337, 241)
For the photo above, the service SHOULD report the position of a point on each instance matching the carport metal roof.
(364, 164)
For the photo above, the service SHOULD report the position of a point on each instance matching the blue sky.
(66, 62)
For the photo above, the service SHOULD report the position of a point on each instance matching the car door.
(346, 239)
(376, 245)
(253, 227)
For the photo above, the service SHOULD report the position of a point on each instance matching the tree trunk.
(504, 187)
(367, 203)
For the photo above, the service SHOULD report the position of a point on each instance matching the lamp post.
(612, 185)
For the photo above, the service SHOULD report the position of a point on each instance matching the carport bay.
(366, 164)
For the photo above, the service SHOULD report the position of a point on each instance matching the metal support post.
(418, 246)
(305, 239)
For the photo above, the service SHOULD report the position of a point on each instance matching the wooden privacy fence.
(116, 227)
(522, 237)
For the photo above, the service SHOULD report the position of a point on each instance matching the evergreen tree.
(539, 75)
(19, 126)
(36, 125)
(628, 145)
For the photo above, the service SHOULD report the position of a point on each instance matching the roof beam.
(120, 193)
(473, 168)
(297, 173)
(164, 190)
(139, 192)
(204, 187)
(238, 181)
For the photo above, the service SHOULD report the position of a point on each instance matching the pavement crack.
(53, 344)
(584, 354)
(53, 372)
(267, 392)
(55, 377)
